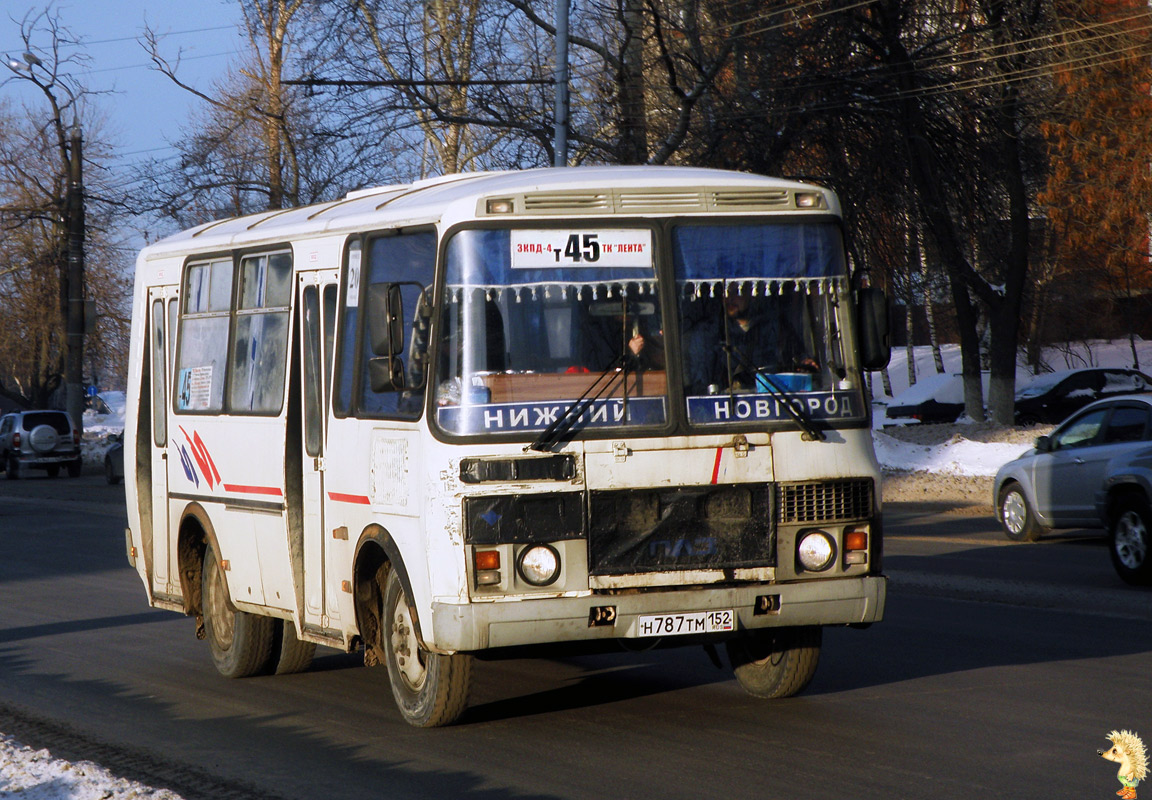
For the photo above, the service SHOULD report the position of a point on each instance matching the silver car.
(1056, 484)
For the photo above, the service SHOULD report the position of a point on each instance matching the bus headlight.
(539, 564)
(816, 551)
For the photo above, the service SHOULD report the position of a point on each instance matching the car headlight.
(539, 564)
(816, 551)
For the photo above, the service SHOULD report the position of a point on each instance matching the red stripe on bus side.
(716, 465)
(232, 487)
(358, 499)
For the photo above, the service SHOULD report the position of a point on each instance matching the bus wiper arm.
(564, 422)
(811, 432)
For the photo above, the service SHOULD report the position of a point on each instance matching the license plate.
(680, 624)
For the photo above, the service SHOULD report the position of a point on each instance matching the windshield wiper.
(811, 432)
(563, 423)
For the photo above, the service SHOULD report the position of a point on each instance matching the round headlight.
(539, 564)
(816, 551)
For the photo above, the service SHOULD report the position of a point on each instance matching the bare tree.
(257, 142)
(42, 212)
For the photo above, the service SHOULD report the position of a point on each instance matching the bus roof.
(552, 192)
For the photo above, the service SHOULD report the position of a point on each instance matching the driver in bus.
(602, 342)
(759, 337)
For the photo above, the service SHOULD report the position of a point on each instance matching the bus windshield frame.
(539, 321)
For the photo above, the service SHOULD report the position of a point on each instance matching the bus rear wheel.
(241, 643)
(430, 689)
(290, 654)
(775, 662)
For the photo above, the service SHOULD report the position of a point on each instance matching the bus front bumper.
(528, 621)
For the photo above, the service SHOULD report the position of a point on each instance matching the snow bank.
(35, 775)
(957, 456)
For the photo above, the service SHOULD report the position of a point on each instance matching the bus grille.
(684, 528)
(825, 501)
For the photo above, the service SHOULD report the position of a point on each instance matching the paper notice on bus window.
(352, 294)
(613, 247)
(195, 392)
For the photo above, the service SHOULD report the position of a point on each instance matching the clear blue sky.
(144, 110)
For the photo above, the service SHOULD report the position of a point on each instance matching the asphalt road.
(997, 673)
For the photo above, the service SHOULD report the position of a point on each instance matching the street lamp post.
(74, 366)
(72, 156)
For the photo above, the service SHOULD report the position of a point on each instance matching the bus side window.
(257, 368)
(407, 260)
(204, 323)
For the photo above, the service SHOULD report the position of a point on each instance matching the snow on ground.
(956, 463)
(97, 429)
(956, 456)
(27, 774)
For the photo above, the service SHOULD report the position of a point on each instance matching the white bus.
(590, 406)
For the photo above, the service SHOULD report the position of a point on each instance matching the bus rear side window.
(204, 337)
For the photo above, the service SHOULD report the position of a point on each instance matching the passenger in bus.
(754, 335)
(602, 342)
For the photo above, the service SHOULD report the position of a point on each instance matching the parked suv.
(40, 440)
(1056, 485)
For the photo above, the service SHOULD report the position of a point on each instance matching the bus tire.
(775, 662)
(241, 643)
(291, 654)
(430, 689)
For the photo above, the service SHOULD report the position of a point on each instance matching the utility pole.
(74, 366)
(560, 157)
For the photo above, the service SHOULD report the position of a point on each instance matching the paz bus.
(487, 412)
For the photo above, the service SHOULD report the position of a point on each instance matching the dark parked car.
(39, 440)
(936, 398)
(1051, 398)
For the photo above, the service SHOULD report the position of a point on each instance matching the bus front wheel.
(775, 662)
(241, 643)
(430, 689)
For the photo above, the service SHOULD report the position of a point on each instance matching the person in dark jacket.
(755, 335)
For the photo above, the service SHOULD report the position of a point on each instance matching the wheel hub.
(1131, 540)
(1013, 512)
(406, 648)
(223, 627)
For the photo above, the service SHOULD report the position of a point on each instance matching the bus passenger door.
(317, 325)
(159, 364)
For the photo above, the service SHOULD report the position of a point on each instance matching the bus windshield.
(762, 311)
(535, 320)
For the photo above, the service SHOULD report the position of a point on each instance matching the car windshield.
(533, 321)
(762, 311)
(1042, 383)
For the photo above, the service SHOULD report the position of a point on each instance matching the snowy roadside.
(30, 774)
(951, 464)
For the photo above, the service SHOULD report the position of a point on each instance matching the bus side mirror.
(872, 312)
(385, 374)
(385, 319)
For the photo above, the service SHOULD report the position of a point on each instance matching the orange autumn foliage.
(1099, 189)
